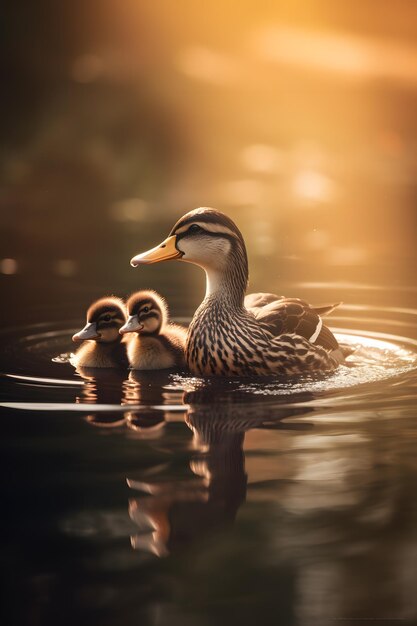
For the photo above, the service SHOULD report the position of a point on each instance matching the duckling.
(157, 344)
(103, 347)
(227, 337)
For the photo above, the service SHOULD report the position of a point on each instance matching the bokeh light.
(295, 120)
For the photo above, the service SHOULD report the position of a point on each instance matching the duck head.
(147, 313)
(211, 240)
(104, 318)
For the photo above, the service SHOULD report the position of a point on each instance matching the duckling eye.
(107, 318)
(195, 228)
(145, 309)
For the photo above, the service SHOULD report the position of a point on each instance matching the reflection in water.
(176, 513)
(325, 506)
(317, 502)
(115, 387)
(102, 386)
(140, 388)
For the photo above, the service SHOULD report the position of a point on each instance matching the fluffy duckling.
(103, 346)
(157, 344)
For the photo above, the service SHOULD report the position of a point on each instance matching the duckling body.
(159, 352)
(103, 346)
(231, 336)
(93, 354)
(155, 344)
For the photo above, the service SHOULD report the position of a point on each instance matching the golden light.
(337, 52)
(8, 266)
(208, 65)
(313, 186)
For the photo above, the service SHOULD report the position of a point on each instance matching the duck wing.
(292, 315)
(259, 300)
(325, 309)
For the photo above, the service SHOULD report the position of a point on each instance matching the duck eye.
(107, 318)
(145, 309)
(195, 228)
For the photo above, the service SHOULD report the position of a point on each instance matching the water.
(159, 498)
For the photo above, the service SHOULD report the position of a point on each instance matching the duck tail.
(326, 308)
(338, 356)
(347, 350)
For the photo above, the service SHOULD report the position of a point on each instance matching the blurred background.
(297, 119)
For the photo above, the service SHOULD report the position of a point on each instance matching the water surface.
(159, 498)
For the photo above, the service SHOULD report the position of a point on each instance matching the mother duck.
(230, 335)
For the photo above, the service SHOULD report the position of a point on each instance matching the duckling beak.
(88, 332)
(164, 252)
(132, 325)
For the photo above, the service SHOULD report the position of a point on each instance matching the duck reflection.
(146, 389)
(103, 386)
(175, 512)
(143, 391)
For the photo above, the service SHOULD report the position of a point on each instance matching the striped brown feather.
(292, 315)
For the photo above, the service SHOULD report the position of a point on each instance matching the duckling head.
(148, 313)
(207, 238)
(104, 318)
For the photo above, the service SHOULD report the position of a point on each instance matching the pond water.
(158, 498)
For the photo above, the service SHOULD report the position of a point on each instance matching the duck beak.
(88, 332)
(164, 252)
(132, 325)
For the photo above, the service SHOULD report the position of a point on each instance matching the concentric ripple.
(38, 374)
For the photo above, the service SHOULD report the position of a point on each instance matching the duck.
(233, 335)
(102, 346)
(157, 343)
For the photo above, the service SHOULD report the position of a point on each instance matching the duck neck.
(228, 283)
